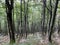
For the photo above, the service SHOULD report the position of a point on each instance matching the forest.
(29, 22)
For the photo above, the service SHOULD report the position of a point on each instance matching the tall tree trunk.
(43, 23)
(9, 8)
(50, 18)
(13, 18)
(21, 18)
(25, 18)
(53, 20)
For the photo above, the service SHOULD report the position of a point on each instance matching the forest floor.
(36, 39)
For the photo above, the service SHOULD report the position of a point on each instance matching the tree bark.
(53, 20)
(9, 8)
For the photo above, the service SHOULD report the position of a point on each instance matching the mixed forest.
(29, 22)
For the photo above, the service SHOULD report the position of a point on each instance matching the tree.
(21, 18)
(43, 16)
(26, 16)
(50, 11)
(53, 20)
(9, 8)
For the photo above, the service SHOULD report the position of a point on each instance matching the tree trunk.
(53, 20)
(43, 21)
(9, 8)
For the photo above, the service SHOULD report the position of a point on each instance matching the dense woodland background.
(30, 22)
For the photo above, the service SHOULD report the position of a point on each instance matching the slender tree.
(43, 16)
(27, 11)
(21, 17)
(53, 20)
(26, 16)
